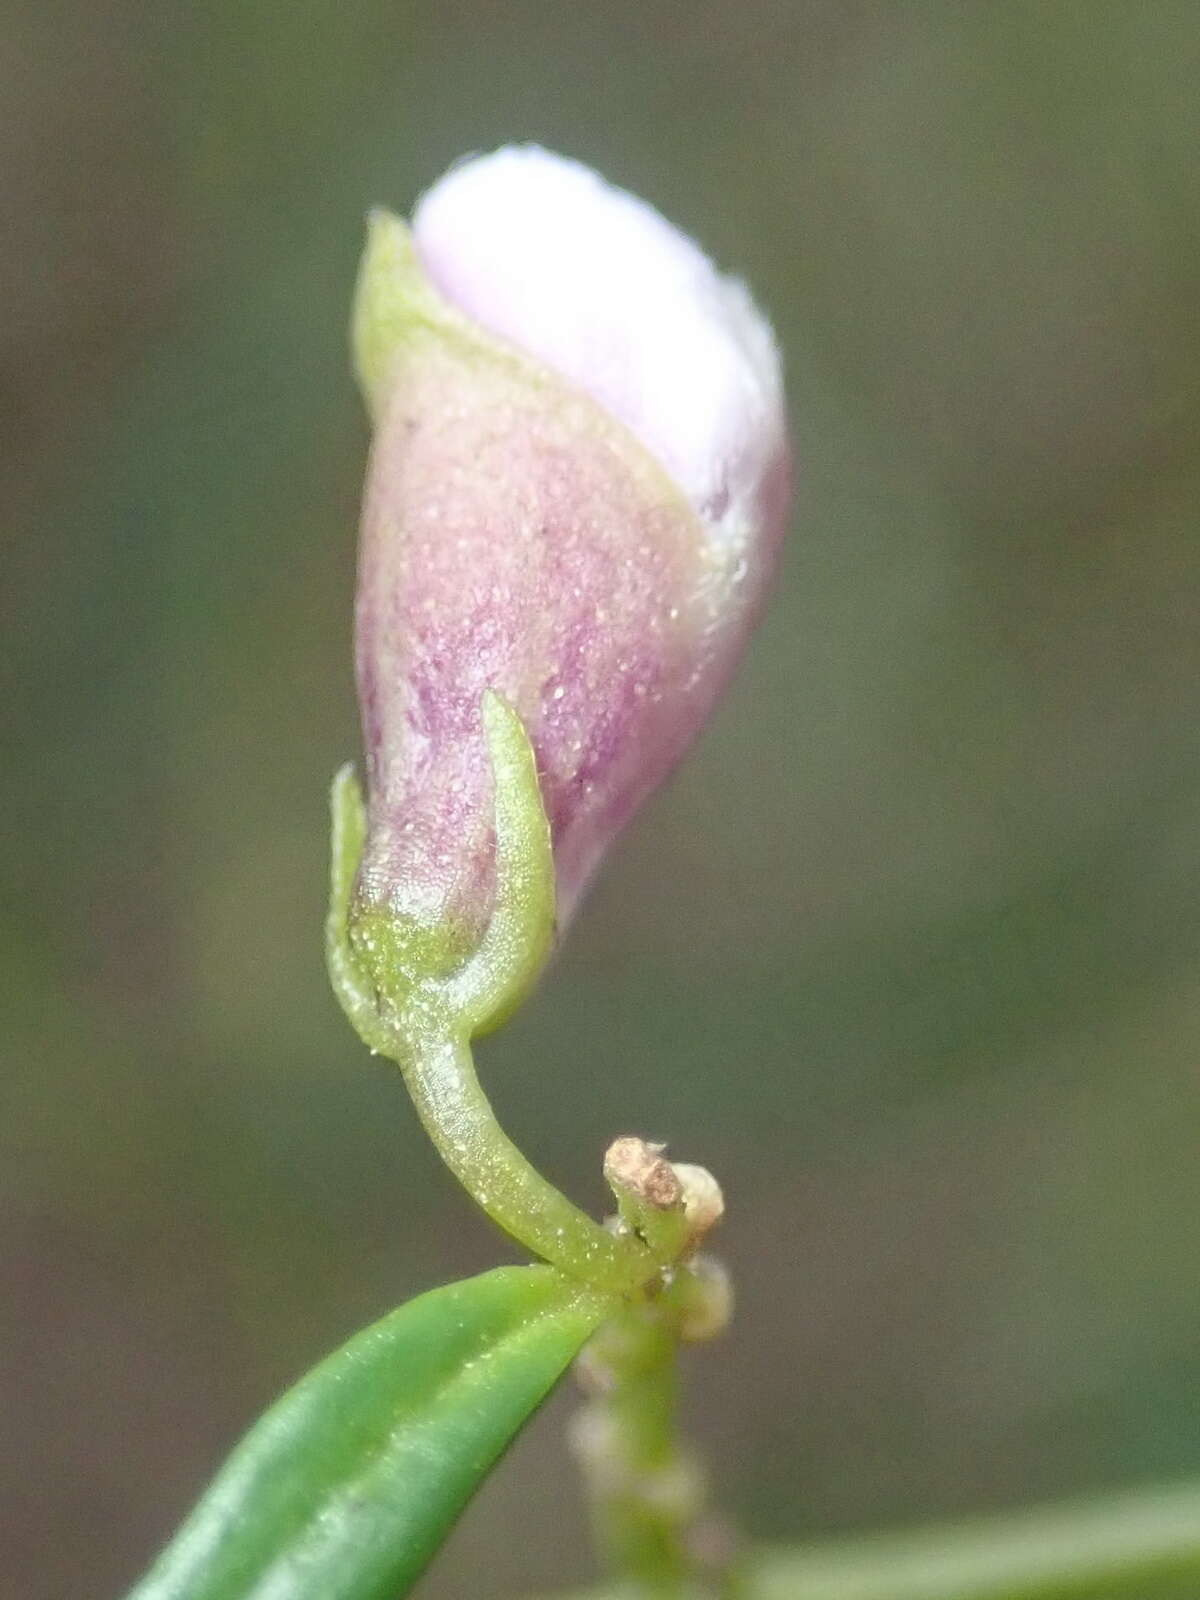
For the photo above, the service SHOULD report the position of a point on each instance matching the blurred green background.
(909, 953)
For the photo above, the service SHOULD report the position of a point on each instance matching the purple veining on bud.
(578, 482)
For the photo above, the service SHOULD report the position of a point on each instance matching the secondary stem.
(1122, 1546)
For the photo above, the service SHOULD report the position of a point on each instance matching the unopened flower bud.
(578, 481)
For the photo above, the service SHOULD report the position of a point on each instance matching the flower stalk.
(425, 1023)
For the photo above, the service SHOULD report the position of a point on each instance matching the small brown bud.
(634, 1167)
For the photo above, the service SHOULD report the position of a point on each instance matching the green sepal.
(348, 1485)
(384, 968)
(392, 298)
(355, 993)
(519, 936)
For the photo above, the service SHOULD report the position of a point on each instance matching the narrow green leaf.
(347, 1486)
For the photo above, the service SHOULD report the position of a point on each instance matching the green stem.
(646, 1489)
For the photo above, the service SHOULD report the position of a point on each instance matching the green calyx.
(418, 998)
(393, 975)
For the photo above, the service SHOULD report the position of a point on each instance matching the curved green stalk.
(458, 1117)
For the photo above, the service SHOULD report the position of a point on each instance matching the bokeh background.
(909, 953)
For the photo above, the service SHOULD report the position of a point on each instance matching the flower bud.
(578, 480)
